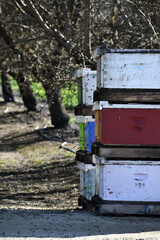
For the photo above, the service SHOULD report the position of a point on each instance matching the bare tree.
(87, 28)
(50, 39)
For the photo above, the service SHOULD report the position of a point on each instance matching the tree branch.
(59, 37)
(87, 32)
(24, 40)
(63, 7)
(124, 15)
(7, 38)
(143, 14)
(22, 7)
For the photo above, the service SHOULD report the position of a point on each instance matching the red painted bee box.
(130, 126)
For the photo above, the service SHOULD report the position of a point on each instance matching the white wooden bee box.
(128, 181)
(87, 81)
(128, 68)
(87, 180)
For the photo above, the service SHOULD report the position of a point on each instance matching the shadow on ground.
(70, 224)
(40, 174)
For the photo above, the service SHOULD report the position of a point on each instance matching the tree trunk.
(59, 116)
(26, 91)
(6, 88)
(87, 28)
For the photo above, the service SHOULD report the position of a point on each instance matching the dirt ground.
(36, 171)
(39, 184)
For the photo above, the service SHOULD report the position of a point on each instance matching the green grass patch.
(72, 120)
(14, 85)
(70, 96)
(38, 90)
(1, 163)
(68, 154)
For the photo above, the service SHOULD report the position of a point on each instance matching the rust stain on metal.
(110, 192)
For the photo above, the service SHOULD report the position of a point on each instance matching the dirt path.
(35, 171)
(74, 224)
(39, 185)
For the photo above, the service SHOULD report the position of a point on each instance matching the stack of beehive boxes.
(86, 80)
(127, 131)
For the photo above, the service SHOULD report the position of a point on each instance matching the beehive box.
(126, 95)
(84, 156)
(127, 124)
(98, 125)
(128, 68)
(91, 135)
(87, 180)
(82, 136)
(86, 81)
(133, 181)
(132, 152)
(86, 131)
(83, 110)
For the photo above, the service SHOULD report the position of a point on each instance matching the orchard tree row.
(45, 41)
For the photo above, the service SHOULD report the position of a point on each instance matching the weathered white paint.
(99, 105)
(128, 181)
(89, 87)
(129, 69)
(82, 181)
(88, 81)
(87, 180)
(82, 72)
(84, 119)
(103, 160)
(85, 167)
